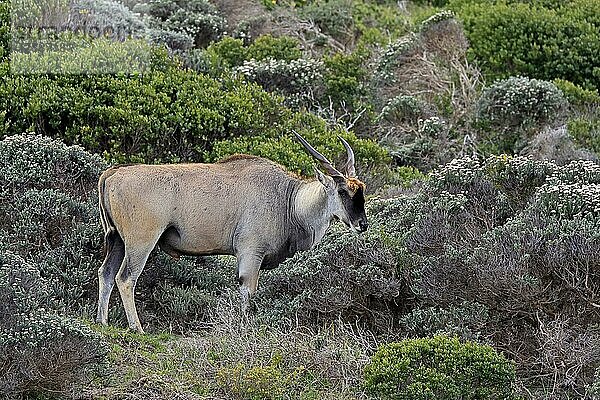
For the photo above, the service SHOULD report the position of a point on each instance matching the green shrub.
(32, 162)
(90, 56)
(522, 38)
(513, 108)
(344, 79)
(576, 95)
(394, 55)
(333, 18)
(231, 52)
(518, 177)
(585, 132)
(278, 48)
(520, 102)
(583, 124)
(173, 115)
(439, 368)
(259, 382)
(197, 19)
(378, 22)
(228, 52)
(407, 176)
(183, 294)
(370, 158)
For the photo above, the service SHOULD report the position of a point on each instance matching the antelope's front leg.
(248, 266)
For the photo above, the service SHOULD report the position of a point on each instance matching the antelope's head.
(345, 193)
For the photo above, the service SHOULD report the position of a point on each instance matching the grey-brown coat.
(244, 206)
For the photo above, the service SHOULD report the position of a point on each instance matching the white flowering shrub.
(432, 127)
(175, 22)
(402, 108)
(111, 18)
(38, 162)
(571, 191)
(172, 39)
(461, 171)
(204, 25)
(520, 102)
(393, 55)
(518, 177)
(510, 234)
(436, 18)
(292, 78)
(578, 171)
(570, 200)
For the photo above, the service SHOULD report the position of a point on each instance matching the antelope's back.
(213, 202)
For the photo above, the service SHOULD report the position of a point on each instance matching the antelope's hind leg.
(131, 269)
(115, 253)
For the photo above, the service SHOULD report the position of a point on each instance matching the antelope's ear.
(324, 179)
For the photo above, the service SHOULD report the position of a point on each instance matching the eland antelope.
(244, 206)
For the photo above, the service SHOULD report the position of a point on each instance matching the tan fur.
(236, 157)
(354, 184)
(238, 207)
(245, 206)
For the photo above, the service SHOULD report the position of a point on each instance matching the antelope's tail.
(111, 234)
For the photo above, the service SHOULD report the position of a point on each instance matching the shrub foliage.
(544, 40)
(439, 368)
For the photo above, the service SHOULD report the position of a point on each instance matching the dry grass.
(234, 359)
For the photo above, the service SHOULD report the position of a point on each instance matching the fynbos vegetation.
(479, 275)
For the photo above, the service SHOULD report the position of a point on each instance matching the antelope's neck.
(312, 209)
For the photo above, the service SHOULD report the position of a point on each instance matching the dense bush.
(230, 52)
(577, 96)
(162, 116)
(520, 102)
(510, 109)
(361, 283)
(371, 159)
(41, 352)
(507, 233)
(198, 19)
(544, 41)
(439, 368)
(49, 217)
(49, 214)
(172, 115)
(88, 56)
